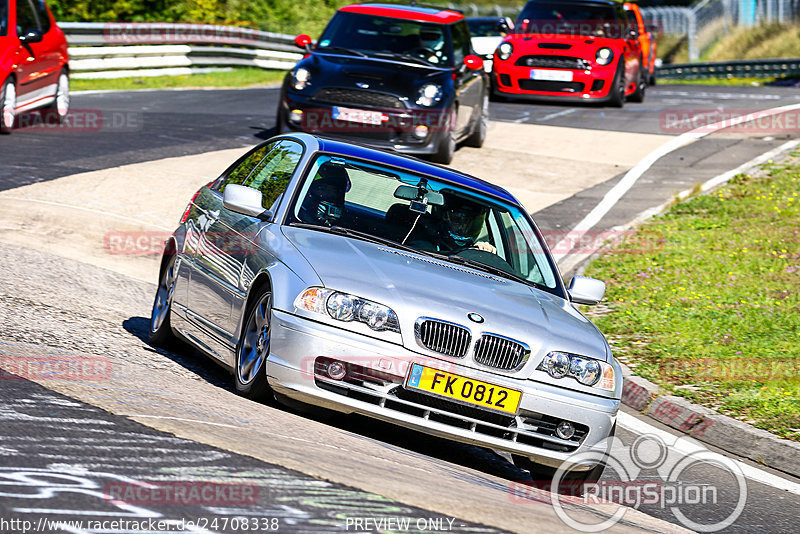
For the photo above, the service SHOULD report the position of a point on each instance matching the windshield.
(424, 215)
(485, 27)
(568, 18)
(376, 36)
(3, 16)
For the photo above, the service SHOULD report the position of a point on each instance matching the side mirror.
(245, 200)
(31, 36)
(585, 290)
(473, 62)
(302, 41)
(633, 33)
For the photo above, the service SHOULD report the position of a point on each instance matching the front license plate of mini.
(462, 389)
(357, 115)
(551, 75)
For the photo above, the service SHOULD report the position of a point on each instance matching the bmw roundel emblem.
(475, 317)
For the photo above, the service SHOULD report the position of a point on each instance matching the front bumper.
(396, 132)
(293, 369)
(591, 84)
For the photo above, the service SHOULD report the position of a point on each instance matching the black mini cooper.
(394, 76)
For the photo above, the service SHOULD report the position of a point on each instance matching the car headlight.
(345, 307)
(604, 56)
(505, 50)
(587, 371)
(429, 95)
(300, 77)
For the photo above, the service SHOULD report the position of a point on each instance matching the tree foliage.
(283, 16)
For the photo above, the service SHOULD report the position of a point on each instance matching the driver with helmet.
(324, 202)
(456, 228)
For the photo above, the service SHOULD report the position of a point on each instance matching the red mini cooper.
(573, 50)
(33, 62)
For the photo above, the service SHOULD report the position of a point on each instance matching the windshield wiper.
(488, 268)
(417, 60)
(340, 49)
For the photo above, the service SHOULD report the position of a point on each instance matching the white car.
(486, 34)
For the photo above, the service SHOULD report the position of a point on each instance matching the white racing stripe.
(686, 447)
(632, 176)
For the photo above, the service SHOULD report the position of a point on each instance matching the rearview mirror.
(31, 36)
(585, 290)
(409, 192)
(245, 200)
(473, 62)
(302, 41)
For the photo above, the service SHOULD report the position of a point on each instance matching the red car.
(575, 50)
(34, 72)
(647, 38)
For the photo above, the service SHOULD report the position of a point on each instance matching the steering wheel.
(425, 53)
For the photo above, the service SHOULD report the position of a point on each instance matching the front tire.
(8, 106)
(253, 348)
(641, 87)
(447, 149)
(478, 135)
(617, 98)
(56, 113)
(161, 334)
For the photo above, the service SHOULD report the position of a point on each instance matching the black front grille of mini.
(445, 338)
(364, 99)
(551, 86)
(553, 62)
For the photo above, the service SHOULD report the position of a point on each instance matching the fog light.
(336, 370)
(296, 115)
(421, 131)
(564, 430)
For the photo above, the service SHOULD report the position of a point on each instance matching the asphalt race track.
(65, 446)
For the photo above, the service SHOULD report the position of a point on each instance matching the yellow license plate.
(466, 390)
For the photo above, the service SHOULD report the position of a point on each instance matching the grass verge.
(705, 300)
(235, 78)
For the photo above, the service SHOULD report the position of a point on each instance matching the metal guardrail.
(749, 68)
(113, 50)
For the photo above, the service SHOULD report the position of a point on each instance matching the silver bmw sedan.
(367, 282)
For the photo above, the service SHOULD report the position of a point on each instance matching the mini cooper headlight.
(301, 77)
(587, 371)
(604, 56)
(429, 95)
(345, 307)
(505, 50)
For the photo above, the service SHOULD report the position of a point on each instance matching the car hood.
(371, 74)
(420, 286)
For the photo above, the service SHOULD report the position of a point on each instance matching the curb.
(710, 427)
(705, 425)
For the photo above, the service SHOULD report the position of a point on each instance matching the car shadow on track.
(386, 435)
(181, 354)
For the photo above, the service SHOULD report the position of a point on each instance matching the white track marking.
(90, 210)
(632, 176)
(686, 447)
(566, 263)
(558, 114)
